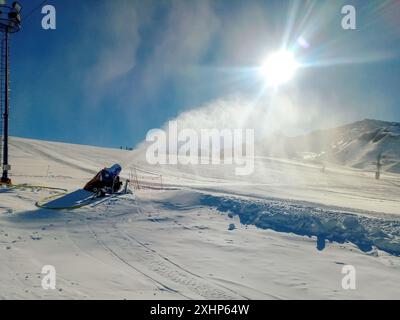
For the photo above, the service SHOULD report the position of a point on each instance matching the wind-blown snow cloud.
(116, 54)
(180, 47)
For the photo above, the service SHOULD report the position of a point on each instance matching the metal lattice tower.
(10, 22)
(1, 109)
(4, 98)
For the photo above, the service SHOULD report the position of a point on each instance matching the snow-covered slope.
(295, 227)
(357, 144)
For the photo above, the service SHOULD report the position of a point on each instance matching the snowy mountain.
(357, 145)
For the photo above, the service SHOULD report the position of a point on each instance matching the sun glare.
(279, 68)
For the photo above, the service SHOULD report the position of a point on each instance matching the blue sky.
(112, 70)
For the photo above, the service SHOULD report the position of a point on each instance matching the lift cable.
(29, 14)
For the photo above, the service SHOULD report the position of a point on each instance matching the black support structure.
(10, 22)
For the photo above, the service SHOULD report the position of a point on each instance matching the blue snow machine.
(107, 181)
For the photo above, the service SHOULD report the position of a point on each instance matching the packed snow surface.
(198, 232)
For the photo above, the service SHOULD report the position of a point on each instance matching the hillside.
(357, 145)
(284, 232)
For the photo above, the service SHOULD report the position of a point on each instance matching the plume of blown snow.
(270, 119)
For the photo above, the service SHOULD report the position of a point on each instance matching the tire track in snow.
(209, 281)
(121, 259)
(116, 258)
(161, 265)
(172, 271)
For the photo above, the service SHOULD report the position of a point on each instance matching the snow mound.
(300, 219)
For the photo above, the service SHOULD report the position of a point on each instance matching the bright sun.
(279, 68)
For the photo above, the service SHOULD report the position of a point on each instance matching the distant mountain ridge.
(356, 144)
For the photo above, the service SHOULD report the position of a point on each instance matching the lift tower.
(10, 22)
